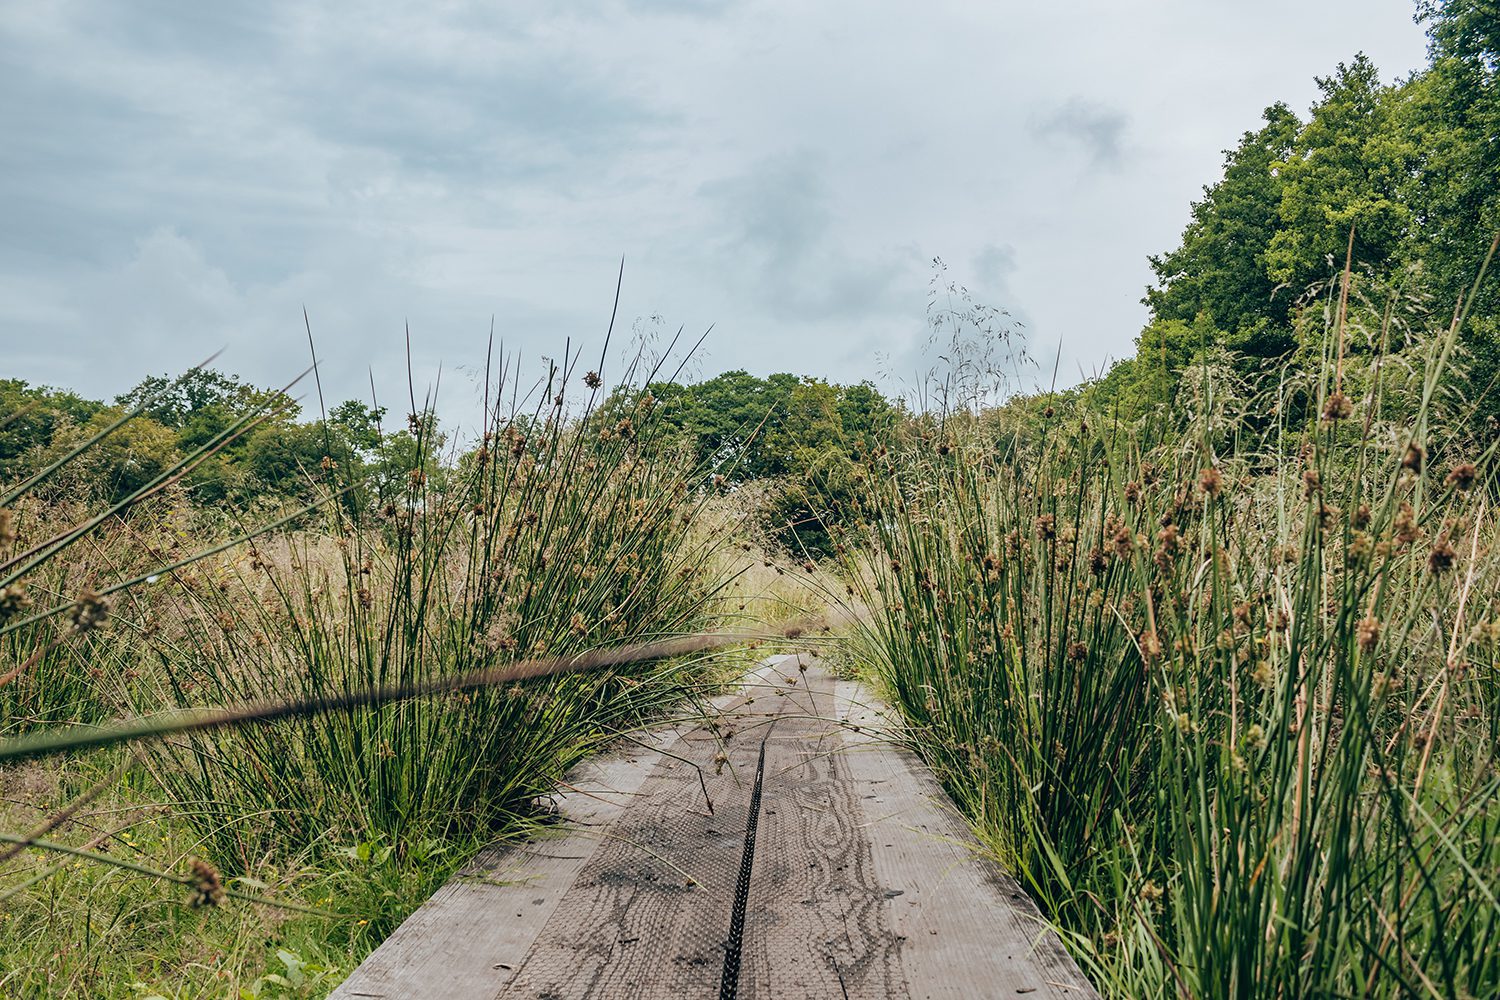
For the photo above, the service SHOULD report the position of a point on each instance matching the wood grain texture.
(818, 924)
(865, 881)
(970, 931)
(649, 914)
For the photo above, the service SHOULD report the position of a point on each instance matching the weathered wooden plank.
(817, 924)
(969, 929)
(648, 915)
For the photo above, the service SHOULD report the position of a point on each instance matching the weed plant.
(1228, 710)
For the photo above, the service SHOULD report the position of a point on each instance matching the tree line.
(806, 434)
(1400, 180)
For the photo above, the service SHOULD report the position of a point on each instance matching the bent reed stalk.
(201, 720)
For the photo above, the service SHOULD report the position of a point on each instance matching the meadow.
(1206, 646)
(1219, 689)
(266, 858)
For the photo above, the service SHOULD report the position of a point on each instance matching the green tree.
(203, 406)
(1347, 171)
(30, 418)
(1220, 267)
(1455, 113)
(804, 432)
(125, 461)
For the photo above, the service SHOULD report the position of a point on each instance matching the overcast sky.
(176, 178)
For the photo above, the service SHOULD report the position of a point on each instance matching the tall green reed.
(558, 533)
(1228, 711)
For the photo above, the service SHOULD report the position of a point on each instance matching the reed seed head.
(1441, 558)
(1462, 476)
(89, 612)
(206, 888)
(1415, 456)
(1407, 530)
(13, 600)
(1337, 407)
(1263, 675)
(1150, 646)
(1168, 543)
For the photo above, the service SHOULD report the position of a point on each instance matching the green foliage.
(1346, 172)
(1220, 268)
(549, 538)
(554, 536)
(30, 420)
(804, 432)
(1408, 169)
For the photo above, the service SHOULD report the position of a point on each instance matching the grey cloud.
(783, 237)
(150, 117)
(1099, 130)
(179, 177)
(995, 263)
(693, 8)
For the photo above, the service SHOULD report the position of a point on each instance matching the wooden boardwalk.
(860, 880)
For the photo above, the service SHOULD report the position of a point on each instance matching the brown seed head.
(1407, 530)
(1167, 544)
(1415, 455)
(1440, 559)
(1337, 407)
(1462, 475)
(207, 889)
(89, 612)
(13, 600)
(1150, 646)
